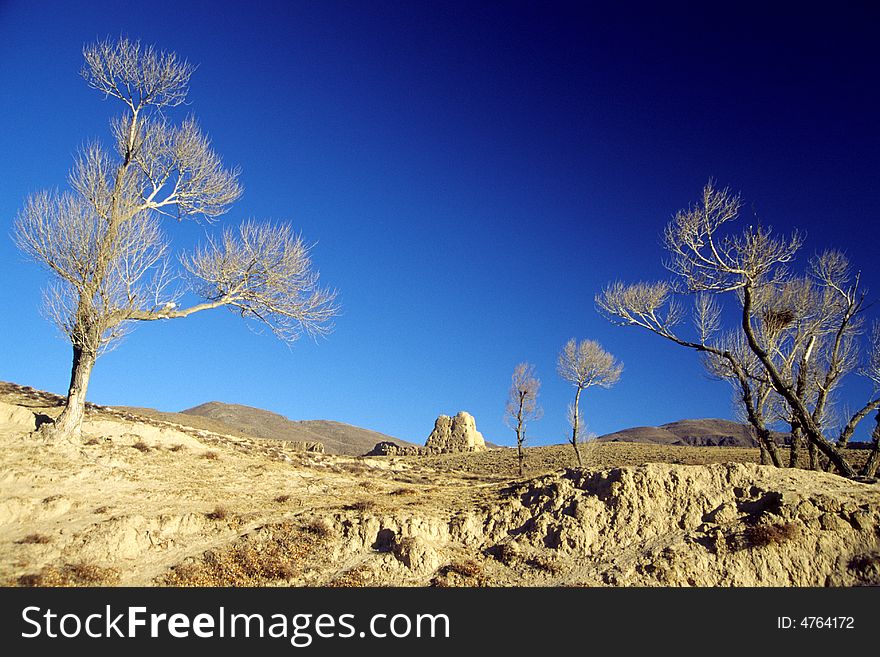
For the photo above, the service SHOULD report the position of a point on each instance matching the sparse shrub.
(281, 499)
(102, 509)
(368, 485)
(758, 536)
(52, 498)
(361, 505)
(355, 468)
(469, 568)
(319, 528)
(403, 491)
(546, 564)
(211, 455)
(867, 568)
(459, 573)
(506, 553)
(71, 574)
(34, 539)
(354, 578)
(141, 446)
(220, 512)
(761, 535)
(92, 441)
(177, 448)
(865, 561)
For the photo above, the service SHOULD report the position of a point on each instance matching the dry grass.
(361, 505)
(403, 491)
(35, 539)
(274, 556)
(211, 456)
(501, 463)
(92, 441)
(355, 468)
(281, 499)
(177, 448)
(71, 574)
(101, 509)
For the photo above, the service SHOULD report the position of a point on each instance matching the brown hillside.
(708, 432)
(337, 437)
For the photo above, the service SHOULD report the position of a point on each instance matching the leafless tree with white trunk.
(522, 405)
(584, 364)
(795, 337)
(102, 241)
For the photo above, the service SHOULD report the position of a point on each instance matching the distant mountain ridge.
(707, 432)
(337, 437)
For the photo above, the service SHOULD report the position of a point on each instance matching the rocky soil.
(150, 503)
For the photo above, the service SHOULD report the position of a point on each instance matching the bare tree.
(522, 405)
(584, 364)
(796, 338)
(103, 243)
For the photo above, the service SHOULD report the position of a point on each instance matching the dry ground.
(144, 502)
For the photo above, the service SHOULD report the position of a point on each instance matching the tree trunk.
(794, 454)
(870, 467)
(814, 456)
(577, 453)
(519, 447)
(768, 443)
(69, 423)
(574, 428)
(811, 430)
(520, 432)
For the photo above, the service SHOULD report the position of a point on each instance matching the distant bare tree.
(103, 243)
(584, 364)
(522, 405)
(796, 337)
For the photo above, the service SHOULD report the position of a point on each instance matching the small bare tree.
(522, 405)
(103, 243)
(795, 339)
(584, 364)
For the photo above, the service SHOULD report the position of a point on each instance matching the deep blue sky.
(472, 174)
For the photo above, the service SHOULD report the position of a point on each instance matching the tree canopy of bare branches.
(584, 364)
(522, 405)
(102, 241)
(796, 336)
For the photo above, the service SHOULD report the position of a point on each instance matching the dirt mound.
(652, 525)
(715, 525)
(16, 418)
